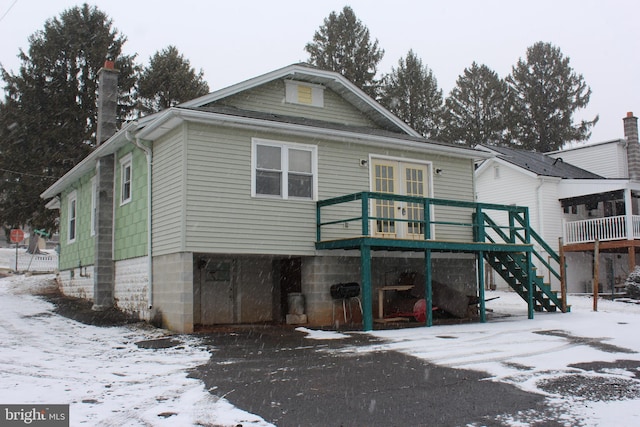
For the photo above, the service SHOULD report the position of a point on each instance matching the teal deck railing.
(476, 220)
(342, 222)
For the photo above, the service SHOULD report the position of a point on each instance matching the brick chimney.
(107, 102)
(633, 145)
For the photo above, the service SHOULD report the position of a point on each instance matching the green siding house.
(209, 212)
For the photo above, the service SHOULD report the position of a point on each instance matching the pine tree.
(411, 93)
(476, 109)
(546, 94)
(342, 44)
(48, 117)
(169, 80)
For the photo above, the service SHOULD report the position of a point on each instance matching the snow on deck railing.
(602, 229)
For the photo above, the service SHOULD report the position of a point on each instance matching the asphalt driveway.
(289, 380)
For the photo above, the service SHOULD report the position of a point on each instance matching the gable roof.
(332, 80)
(392, 130)
(540, 164)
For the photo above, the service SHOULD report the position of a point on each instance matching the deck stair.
(510, 245)
(512, 266)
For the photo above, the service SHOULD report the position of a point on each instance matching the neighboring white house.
(581, 195)
(607, 159)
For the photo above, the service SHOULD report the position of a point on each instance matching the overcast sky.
(234, 40)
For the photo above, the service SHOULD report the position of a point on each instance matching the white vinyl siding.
(200, 206)
(516, 188)
(221, 214)
(223, 217)
(168, 194)
(607, 159)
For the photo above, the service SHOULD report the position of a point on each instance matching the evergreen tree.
(343, 45)
(169, 80)
(476, 109)
(411, 93)
(48, 118)
(546, 93)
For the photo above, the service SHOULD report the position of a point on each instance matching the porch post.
(628, 213)
(563, 275)
(632, 258)
(530, 289)
(483, 314)
(365, 277)
(428, 287)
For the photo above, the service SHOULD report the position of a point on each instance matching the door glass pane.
(414, 179)
(384, 209)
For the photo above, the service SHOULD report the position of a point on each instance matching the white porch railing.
(603, 229)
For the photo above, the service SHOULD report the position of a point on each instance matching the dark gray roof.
(542, 164)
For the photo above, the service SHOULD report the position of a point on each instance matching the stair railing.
(520, 230)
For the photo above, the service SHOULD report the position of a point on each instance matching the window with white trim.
(126, 175)
(284, 170)
(72, 213)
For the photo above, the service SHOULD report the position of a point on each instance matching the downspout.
(149, 156)
(540, 229)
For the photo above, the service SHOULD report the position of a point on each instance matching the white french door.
(403, 178)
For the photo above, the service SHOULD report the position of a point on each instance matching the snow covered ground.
(571, 358)
(110, 381)
(47, 261)
(104, 376)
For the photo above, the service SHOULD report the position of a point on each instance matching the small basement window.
(304, 93)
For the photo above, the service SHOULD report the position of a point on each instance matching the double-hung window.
(72, 214)
(125, 179)
(284, 170)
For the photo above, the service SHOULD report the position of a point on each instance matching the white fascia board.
(569, 188)
(53, 204)
(516, 168)
(176, 115)
(486, 164)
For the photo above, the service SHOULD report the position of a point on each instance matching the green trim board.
(376, 243)
(130, 217)
(80, 252)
